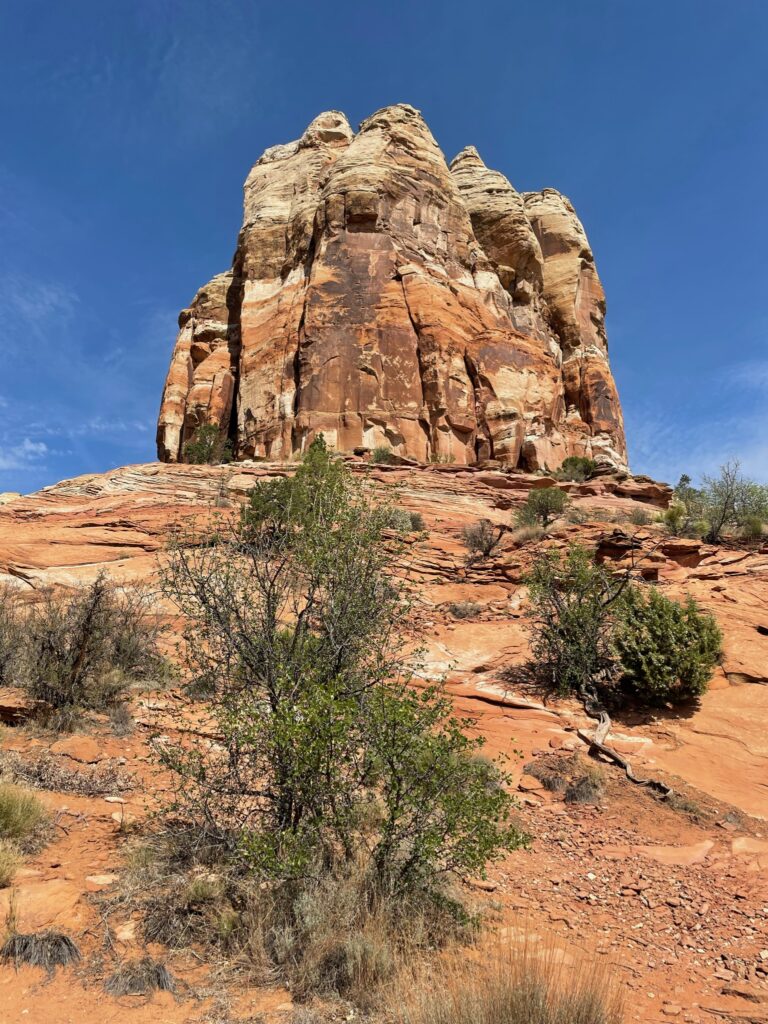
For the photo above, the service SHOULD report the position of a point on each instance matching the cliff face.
(382, 298)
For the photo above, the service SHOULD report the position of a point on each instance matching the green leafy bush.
(573, 614)
(577, 467)
(753, 529)
(542, 507)
(21, 813)
(296, 637)
(382, 456)
(208, 446)
(667, 650)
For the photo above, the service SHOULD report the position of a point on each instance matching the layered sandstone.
(381, 298)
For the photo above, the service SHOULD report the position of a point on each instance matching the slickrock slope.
(382, 298)
(674, 895)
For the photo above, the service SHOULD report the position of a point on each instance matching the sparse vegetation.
(515, 984)
(11, 634)
(577, 468)
(10, 861)
(46, 771)
(139, 978)
(667, 650)
(21, 813)
(465, 609)
(729, 503)
(330, 765)
(481, 539)
(640, 517)
(48, 949)
(208, 446)
(527, 534)
(83, 649)
(586, 788)
(382, 456)
(542, 506)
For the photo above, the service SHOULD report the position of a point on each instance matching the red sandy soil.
(674, 897)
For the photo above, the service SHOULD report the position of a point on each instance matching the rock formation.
(384, 299)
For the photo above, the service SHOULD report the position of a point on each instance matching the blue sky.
(128, 127)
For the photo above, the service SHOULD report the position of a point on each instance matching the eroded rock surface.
(384, 299)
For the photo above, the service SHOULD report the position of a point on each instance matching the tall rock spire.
(380, 298)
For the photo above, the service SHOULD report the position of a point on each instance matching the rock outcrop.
(381, 298)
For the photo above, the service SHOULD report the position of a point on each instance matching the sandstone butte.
(384, 298)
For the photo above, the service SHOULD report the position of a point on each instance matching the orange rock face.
(381, 298)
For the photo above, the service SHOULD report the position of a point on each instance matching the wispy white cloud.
(35, 307)
(26, 455)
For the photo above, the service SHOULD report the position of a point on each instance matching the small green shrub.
(21, 813)
(382, 456)
(752, 529)
(481, 539)
(417, 522)
(640, 517)
(667, 650)
(208, 446)
(578, 468)
(542, 506)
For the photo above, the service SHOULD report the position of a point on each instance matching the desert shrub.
(752, 529)
(640, 517)
(722, 504)
(139, 977)
(10, 860)
(84, 648)
(417, 522)
(514, 984)
(577, 467)
(48, 950)
(296, 640)
(465, 609)
(667, 650)
(586, 788)
(542, 506)
(11, 634)
(382, 456)
(675, 518)
(480, 539)
(21, 813)
(208, 446)
(574, 605)
(527, 534)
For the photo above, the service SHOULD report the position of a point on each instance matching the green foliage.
(572, 615)
(577, 467)
(542, 506)
(208, 446)
(83, 648)
(640, 517)
(667, 650)
(593, 629)
(11, 634)
(382, 456)
(726, 503)
(753, 529)
(296, 636)
(480, 539)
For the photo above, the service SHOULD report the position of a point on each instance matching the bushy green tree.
(208, 446)
(573, 613)
(667, 650)
(730, 500)
(326, 752)
(543, 505)
(577, 467)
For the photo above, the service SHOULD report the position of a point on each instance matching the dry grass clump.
(45, 771)
(139, 978)
(465, 609)
(10, 860)
(578, 780)
(330, 933)
(22, 816)
(48, 950)
(527, 534)
(586, 788)
(515, 984)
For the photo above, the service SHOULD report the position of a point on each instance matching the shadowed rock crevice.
(380, 297)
